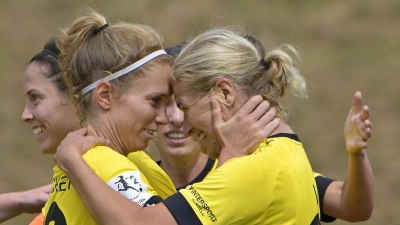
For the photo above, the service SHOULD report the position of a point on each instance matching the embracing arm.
(105, 205)
(16, 203)
(353, 199)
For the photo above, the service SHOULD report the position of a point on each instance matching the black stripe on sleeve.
(153, 201)
(322, 185)
(181, 210)
(315, 220)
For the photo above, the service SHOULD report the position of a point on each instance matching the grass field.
(346, 46)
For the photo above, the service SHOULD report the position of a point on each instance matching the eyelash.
(156, 100)
(182, 108)
(34, 97)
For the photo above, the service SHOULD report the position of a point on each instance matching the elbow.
(365, 216)
(360, 216)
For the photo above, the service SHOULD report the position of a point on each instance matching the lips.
(175, 135)
(151, 132)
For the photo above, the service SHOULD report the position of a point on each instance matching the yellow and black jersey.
(156, 176)
(66, 207)
(322, 184)
(274, 185)
(210, 165)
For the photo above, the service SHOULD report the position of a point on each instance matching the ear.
(103, 92)
(224, 92)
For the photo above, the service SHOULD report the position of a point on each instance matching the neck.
(183, 169)
(105, 131)
(282, 128)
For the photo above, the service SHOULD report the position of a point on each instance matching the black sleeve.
(322, 185)
(153, 201)
(181, 210)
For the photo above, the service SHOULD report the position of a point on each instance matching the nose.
(161, 117)
(175, 115)
(27, 114)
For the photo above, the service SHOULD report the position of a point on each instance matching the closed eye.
(33, 97)
(156, 100)
(182, 107)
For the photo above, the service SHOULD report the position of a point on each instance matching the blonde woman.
(125, 110)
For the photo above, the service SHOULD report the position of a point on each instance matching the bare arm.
(242, 134)
(353, 199)
(16, 203)
(105, 205)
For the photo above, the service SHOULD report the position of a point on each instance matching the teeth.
(38, 130)
(175, 135)
(151, 132)
(202, 135)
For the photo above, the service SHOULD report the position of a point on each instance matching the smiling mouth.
(152, 133)
(175, 135)
(38, 130)
(202, 135)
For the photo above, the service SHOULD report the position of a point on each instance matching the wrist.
(359, 153)
(68, 162)
(17, 201)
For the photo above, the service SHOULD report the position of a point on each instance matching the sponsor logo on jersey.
(202, 205)
(130, 185)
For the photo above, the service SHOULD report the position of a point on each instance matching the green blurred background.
(346, 46)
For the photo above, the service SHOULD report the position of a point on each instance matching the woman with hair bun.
(118, 79)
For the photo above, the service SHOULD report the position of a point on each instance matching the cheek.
(192, 119)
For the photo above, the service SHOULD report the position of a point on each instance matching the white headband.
(123, 71)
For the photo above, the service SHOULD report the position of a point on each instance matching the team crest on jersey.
(130, 185)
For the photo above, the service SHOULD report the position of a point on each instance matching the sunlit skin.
(47, 109)
(130, 118)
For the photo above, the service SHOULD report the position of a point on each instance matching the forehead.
(156, 78)
(35, 75)
(183, 97)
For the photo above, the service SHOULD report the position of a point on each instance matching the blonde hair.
(222, 53)
(89, 54)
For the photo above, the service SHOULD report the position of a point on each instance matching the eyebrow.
(30, 91)
(161, 94)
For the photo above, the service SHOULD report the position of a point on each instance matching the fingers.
(365, 113)
(252, 104)
(96, 141)
(271, 126)
(83, 131)
(267, 116)
(365, 133)
(262, 110)
(357, 103)
(78, 140)
(46, 189)
(368, 124)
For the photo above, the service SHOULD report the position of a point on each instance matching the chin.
(139, 148)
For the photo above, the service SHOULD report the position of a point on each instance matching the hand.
(34, 200)
(74, 146)
(242, 134)
(357, 128)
